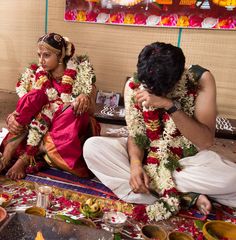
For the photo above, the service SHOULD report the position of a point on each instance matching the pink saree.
(63, 143)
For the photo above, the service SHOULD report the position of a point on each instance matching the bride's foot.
(3, 163)
(18, 170)
(9, 151)
(203, 204)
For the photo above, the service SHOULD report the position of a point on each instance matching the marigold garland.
(154, 130)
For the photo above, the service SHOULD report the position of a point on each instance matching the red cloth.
(66, 132)
(30, 105)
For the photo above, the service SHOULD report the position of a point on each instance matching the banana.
(94, 208)
(89, 201)
(90, 208)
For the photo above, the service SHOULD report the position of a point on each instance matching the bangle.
(8, 117)
(135, 161)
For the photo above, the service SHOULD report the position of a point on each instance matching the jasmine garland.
(154, 130)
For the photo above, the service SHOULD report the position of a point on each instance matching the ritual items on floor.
(114, 221)
(3, 215)
(25, 226)
(219, 230)
(36, 211)
(152, 231)
(91, 208)
(73, 206)
(5, 199)
(43, 196)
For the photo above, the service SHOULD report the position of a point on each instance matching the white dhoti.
(206, 172)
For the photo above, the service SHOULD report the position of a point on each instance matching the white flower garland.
(84, 78)
(26, 80)
(161, 176)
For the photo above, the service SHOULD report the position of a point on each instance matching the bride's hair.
(58, 44)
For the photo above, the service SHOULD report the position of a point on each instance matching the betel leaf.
(69, 219)
(199, 224)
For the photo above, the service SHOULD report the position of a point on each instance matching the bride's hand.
(13, 126)
(81, 104)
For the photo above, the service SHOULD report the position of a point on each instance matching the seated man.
(170, 114)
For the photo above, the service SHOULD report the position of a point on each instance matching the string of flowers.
(78, 78)
(153, 129)
(85, 77)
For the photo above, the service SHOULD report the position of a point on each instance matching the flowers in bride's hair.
(72, 65)
(166, 146)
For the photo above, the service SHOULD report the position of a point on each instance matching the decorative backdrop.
(209, 14)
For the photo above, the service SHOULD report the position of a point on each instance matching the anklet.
(25, 159)
(3, 161)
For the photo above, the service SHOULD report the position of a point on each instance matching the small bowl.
(114, 221)
(5, 199)
(3, 215)
(152, 231)
(179, 236)
(219, 229)
(36, 211)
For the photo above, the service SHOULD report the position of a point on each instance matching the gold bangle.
(136, 161)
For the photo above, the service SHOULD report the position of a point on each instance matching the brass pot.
(219, 229)
(151, 231)
(3, 215)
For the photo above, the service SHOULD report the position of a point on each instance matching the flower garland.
(85, 77)
(78, 78)
(154, 129)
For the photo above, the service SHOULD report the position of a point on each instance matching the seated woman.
(54, 112)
